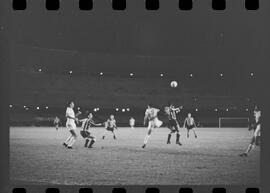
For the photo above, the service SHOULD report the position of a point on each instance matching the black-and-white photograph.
(135, 96)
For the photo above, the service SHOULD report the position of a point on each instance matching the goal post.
(233, 122)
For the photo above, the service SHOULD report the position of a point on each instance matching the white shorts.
(71, 126)
(154, 123)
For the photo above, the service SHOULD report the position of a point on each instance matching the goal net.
(233, 122)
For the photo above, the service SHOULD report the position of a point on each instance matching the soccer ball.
(174, 84)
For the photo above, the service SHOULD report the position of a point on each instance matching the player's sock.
(195, 134)
(68, 139)
(114, 137)
(146, 139)
(91, 143)
(144, 145)
(250, 147)
(178, 139)
(103, 137)
(86, 142)
(169, 139)
(64, 144)
(72, 141)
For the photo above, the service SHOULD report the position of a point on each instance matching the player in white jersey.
(56, 122)
(110, 125)
(190, 124)
(71, 125)
(132, 122)
(255, 139)
(153, 121)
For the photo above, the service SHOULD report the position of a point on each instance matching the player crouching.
(110, 125)
(86, 124)
(189, 123)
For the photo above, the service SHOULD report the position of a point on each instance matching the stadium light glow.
(10, 106)
(227, 109)
(46, 107)
(196, 109)
(128, 109)
(131, 74)
(101, 73)
(191, 75)
(117, 109)
(246, 109)
(161, 75)
(221, 74)
(123, 110)
(37, 108)
(216, 110)
(24, 106)
(70, 72)
(39, 69)
(251, 74)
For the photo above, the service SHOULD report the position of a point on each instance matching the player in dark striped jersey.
(86, 124)
(173, 124)
(190, 124)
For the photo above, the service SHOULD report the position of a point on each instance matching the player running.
(256, 127)
(173, 124)
(56, 122)
(189, 123)
(132, 122)
(110, 126)
(71, 125)
(86, 124)
(153, 121)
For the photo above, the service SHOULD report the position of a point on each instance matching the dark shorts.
(190, 127)
(85, 134)
(110, 129)
(173, 125)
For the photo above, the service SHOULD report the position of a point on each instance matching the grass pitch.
(38, 157)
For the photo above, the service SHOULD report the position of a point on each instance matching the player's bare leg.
(194, 132)
(67, 140)
(114, 136)
(147, 137)
(250, 147)
(188, 133)
(72, 140)
(93, 140)
(103, 137)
